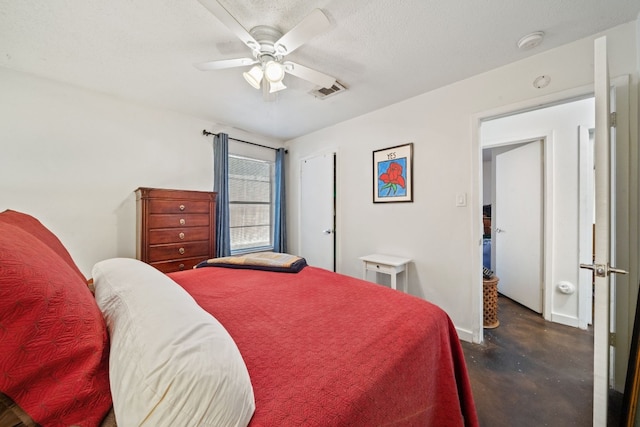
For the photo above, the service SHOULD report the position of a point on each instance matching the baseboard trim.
(464, 334)
(565, 320)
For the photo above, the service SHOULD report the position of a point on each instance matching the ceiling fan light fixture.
(269, 47)
(276, 86)
(253, 76)
(274, 72)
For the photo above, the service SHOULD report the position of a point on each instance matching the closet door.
(317, 211)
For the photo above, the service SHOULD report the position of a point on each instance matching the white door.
(601, 266)
(518, 224)
(317, 211)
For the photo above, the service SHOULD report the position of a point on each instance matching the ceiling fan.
(269, 47)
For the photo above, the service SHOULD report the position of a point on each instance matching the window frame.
(271, 202)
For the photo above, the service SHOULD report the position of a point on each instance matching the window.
(250, 204)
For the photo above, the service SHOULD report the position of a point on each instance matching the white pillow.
(171, 362)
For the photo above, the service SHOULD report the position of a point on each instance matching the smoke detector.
(542, 81)
(530, 40)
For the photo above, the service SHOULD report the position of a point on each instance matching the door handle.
(327, 231)
(603, 270)
(499, 230)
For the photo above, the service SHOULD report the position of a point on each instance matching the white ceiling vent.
(324, 92)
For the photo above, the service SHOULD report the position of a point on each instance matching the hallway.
(530, 372)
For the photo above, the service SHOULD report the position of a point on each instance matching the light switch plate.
(461, 199)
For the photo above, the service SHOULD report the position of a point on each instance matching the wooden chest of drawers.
(175, 228)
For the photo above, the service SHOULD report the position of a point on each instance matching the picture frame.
(393, 174)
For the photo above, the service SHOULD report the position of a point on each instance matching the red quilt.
(324, 349)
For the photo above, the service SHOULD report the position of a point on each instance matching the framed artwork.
(393, 174)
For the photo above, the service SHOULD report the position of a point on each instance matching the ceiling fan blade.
(315, 23)
(227, 19)
(224, 63)
(309, 74)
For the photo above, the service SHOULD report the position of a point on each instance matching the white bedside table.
(386, 264)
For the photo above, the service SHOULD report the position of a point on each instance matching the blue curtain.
(221, 186)
(279, 226)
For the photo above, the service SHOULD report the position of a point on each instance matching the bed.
(215, 345)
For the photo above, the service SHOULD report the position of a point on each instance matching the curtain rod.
(207, 133)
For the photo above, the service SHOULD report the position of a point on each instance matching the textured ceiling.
(383, 51)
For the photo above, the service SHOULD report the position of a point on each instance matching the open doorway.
(623, 198)
(546, 140)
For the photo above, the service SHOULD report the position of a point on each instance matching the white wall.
(561, 122)
(73, 158)
(442, 239)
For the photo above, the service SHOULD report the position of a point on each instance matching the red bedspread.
(324, 349)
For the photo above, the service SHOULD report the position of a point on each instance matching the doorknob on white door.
(327, 231)
(617, 270)
(499, 230)
(603, 270)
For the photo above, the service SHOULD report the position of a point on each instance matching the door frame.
(560, 97)
(627, 238)
(624, 252)
(547, 205)
(336, 202)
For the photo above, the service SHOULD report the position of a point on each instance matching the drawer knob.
(181, 236)
(181, 250)
(181, 207)
(182, 221)
(181, 266)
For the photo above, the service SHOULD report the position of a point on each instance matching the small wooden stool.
(490, 299)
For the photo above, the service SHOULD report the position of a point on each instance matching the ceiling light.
(253, 76)
(276, 86)
(530, 40)
(273, 71)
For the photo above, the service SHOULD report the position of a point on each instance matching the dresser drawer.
(178, 250)
(179, 265)
(178, 220)
(381, 268)
(176, 235)
(178, 206)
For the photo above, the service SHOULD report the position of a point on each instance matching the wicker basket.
(490, 298)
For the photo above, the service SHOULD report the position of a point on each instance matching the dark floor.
(530, 372)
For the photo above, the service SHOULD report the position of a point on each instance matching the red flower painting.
(392, 178)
